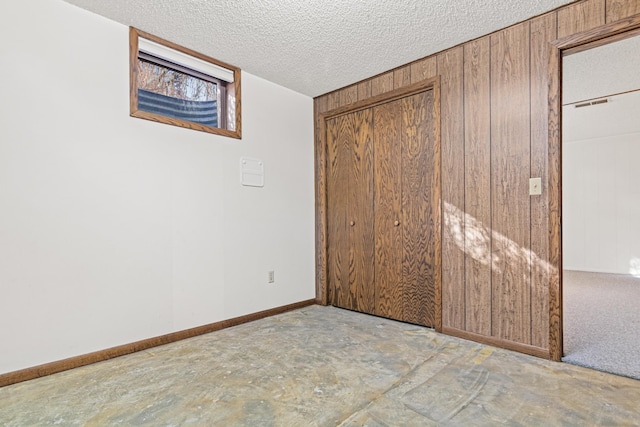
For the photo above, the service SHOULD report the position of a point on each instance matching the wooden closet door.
(405, 221)
(388, 130)
(420, 209)
(350, 220)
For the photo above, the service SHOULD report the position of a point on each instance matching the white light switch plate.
(535, 186)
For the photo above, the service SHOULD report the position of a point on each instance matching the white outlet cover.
(251, 172)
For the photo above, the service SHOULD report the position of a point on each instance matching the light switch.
(535, 186)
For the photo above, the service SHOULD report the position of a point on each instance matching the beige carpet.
(602, 322)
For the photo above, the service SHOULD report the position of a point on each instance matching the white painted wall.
(115, 229)
(601, 186)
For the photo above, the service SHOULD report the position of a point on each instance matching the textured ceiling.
(316, 46)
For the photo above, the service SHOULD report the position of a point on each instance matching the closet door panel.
(339, 136)
(387, 119)
(361, 217)
(418, 223)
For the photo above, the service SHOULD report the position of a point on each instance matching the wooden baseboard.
(498, 342)
(121, 350)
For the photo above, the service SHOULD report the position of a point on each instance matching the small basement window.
(177, 86)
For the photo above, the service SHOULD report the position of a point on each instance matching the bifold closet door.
(404, 162)
(387, 130)
(420, 209)
(350, 221)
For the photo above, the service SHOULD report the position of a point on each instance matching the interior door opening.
(601, 207)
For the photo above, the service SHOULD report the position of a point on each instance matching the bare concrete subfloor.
(322, 366)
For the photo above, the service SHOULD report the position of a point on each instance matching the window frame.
(135, 54)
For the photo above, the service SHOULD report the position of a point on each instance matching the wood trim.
(554, 187)
(557, 49)
(602, 42)
(604, 33)
(437, 207)
(134, 34)
(321, 184)
(497, 342)
(380, 99)
(121, 350)
(321, 217)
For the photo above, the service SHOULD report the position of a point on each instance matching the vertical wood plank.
(436, 209)
(450, 68)
(402, 77)
(555, 203)
(339, 134)
(580, 16)
(477, 181)
(423, 69)
(382, 83)
(510, 206)
(348, 95)
(418, 224)
(322, 102)
(361, 234)
(364, 90)
(333, 100)
(620, 9)
(543, 31)
(387, 119)
(319, 107)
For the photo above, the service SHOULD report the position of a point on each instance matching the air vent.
(589, 103)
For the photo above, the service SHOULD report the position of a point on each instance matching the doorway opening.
(601, 207)
(591, 157)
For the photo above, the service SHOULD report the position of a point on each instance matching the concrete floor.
(322, 366)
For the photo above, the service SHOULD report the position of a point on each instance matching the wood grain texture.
(620, 9)
(555, 204)
(418, 225)
(382, 83)
(384, 97)
(510, 206)
(364, 90)
(387, 131)
(323, 175)
(477, 181)
(580, 16)
(110, 353)
(497, 342)
(402, 77)
(423, 69)
(624, 23)
(361, 235)
(451, 69)
(436, 208)
(348, 95)
(543, 31)
(320, 164)
(340, 132)
(334, 100)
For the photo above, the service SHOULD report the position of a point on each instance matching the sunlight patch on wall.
(476, 240)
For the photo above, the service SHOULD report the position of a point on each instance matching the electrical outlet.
(272, 276)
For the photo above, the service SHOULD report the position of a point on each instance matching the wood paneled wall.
(494, 137)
